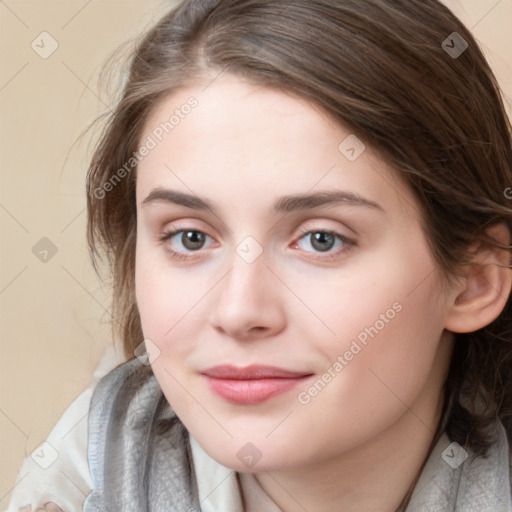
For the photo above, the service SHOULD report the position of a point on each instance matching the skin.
(361, 441)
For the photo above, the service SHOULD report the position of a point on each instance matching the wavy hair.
(405, 75)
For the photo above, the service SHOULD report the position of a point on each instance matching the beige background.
(54, 314)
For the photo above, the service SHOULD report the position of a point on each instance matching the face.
(288, 297)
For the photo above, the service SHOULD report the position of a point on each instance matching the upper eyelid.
(165, 235)
(305, 231)
(187, 227)
(302, 232)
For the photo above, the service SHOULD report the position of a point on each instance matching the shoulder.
(58, 470)
(455, 479)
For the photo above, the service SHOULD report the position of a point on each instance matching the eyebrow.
(284, 204)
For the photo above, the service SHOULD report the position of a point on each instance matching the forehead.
(245, 141)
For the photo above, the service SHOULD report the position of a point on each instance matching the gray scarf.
(140, 457)
(139, 453)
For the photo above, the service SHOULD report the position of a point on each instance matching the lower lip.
(247, 392)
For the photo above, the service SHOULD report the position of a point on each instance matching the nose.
(249, 302)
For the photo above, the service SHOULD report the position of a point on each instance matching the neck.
(375, 477)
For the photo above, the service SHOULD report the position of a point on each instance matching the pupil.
(192, 240)
(322, 241)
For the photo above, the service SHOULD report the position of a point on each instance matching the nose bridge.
(247, 301)
(247, 275)
(248, 263)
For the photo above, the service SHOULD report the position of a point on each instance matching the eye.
(186, 240)
(324, 242)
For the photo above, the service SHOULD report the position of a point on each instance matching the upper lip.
(252, 372)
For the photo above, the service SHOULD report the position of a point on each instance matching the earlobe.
(486, 287)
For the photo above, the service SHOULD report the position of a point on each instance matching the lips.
(251, 384)
(252, 372)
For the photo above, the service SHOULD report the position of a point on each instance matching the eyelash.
(166, 236)
(348, 243)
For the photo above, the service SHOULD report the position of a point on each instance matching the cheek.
(168, 302)
(377, 366)
(165, 296)
(386, 319)
(380, 304)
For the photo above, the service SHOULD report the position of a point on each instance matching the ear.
(484, 291)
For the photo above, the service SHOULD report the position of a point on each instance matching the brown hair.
(387, 69)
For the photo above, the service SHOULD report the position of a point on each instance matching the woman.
(302, 204)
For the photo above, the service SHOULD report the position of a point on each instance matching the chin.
(250, 456)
